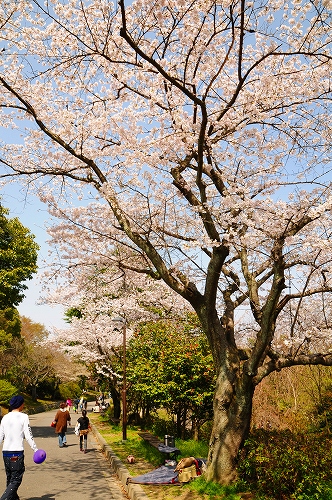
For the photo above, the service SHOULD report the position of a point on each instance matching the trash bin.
(169, 441)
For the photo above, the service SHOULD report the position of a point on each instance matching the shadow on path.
(44, 497)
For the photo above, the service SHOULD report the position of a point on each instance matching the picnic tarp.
(162, 475)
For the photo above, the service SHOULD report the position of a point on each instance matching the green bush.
(322, 413)
(7, 390)
(282, 465)
(205, 431)
(69, 390)
(161, 426)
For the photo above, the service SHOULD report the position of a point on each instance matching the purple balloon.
(39, 456)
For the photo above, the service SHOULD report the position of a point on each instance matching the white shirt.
(14, 428)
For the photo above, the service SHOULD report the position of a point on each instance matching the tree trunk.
(184, 423)
(34, 393)
(115, 396)
(178, 423)
(195, 428)
(231, 425)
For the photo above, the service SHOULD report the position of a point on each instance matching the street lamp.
(122, 321)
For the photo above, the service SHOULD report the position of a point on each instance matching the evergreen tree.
(18, 259)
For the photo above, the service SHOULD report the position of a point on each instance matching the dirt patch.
(171, 493)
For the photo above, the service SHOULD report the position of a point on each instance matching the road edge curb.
(134, 491)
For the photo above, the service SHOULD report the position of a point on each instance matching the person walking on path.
(14, 427)
(69, 404)
(84, 428)
(62, 419)
(81, 403)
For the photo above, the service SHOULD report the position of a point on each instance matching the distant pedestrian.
(14, 427)
(61, 419)
(81, 403)
(69, 404)
(84, 423)
(75, 406)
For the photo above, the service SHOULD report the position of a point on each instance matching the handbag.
(187, 473)
(77, 429)
(187, 469)
(53, 424)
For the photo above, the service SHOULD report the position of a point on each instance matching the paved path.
(66, 474)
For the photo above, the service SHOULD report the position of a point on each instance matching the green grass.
(191, 448)
(134, 445)
(113, 434)
(213, 490)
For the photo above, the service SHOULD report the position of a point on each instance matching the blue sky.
(33, 215)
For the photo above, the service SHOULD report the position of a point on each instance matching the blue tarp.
(163, 448)
(162, 475)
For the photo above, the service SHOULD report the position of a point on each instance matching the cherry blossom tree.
(196, 136)
(95, 287)
(98, 283)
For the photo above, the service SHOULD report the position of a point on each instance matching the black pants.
(14, 467)
(83, 443)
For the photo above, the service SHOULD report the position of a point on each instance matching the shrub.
(283, 465)
(69, 390)
(7, 390)
(161, 426)
(205, 431)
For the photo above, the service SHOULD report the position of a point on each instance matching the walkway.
(66, 474)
